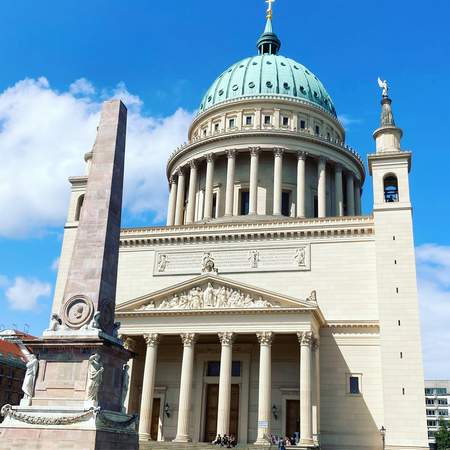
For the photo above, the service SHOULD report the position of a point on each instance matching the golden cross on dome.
(269, 9)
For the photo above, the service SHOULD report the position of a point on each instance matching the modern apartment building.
(437, 401)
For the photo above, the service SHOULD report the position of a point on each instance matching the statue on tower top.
(269, 9)
(383, 84)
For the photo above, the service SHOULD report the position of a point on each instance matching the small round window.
(209, 98)
(221, 92)
(295, 67)
(269, 84)
(235, 87)
(316, 94)
(286, 85)
(254, 63)
(283, 64)
(251, 85)
(302, 90)
(268, 63)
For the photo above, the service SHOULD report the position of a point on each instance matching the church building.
(269, 305)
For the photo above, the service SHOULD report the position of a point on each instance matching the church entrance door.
(212, 400)
(155, 419)
(292, 417)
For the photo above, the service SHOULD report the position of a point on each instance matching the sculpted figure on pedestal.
(30, 378)
(55, 323)
(125, 384)
(95, 377)
(208, 264)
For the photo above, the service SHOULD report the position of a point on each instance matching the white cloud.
(44, 135)
(433, 267)
(82, 87)
(346, 120)
(23, 294)
(55, 264)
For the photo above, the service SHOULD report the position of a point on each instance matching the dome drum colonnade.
(185, 185)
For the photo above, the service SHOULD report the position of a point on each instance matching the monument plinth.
(76, 377)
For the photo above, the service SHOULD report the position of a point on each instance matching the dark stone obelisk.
(78, 379)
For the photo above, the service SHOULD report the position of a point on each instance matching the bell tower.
(400, 341)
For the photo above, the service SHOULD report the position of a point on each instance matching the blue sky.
(161, 57)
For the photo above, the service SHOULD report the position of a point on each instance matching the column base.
(182, 439)
(263, 442)
(307, 443)
(145, 437)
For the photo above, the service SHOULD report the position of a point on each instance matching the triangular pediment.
(214, 293)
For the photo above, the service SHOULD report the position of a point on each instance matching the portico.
(223, 379)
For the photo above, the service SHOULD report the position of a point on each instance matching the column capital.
(338, 167)
(188, 338)
(322, 160)
(349, 173)
(265, 337)
(193, 163)
(315, 343)
(210, 157)
(278, 152)
(231, 153)
(152, 339)
(302, 155)
(172, 179)
(226, 338)
(180, 171)
(254, 151)
(305, 338)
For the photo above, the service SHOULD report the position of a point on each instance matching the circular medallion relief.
(78, 311)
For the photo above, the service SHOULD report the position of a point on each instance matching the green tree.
(443, 435)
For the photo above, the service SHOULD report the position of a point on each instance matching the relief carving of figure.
(30, 378)
(208, 297)
(95, 377)
(208, 264)
(300, 256)
(253, 258)
(163, 260)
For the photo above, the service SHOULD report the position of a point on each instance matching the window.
(267, 120)
(328, 136)
(216, 127)
(442, 401)
(443, 412)
(302, 124)
(431, 412)
(429, 401)
(204, 132)
(285, 121)
(248, 120)
(214, 206)
(431, 423)
(245, 203)
(353, 385)
(231, 123)
(390, 189)
(317, 130)
(316, 206)
(285, 203)
(213, 369)
(80, 202)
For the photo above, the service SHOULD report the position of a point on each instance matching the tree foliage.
(442, 436)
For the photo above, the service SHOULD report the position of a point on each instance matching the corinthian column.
(209, 186)
(223, 408)
(338, 190)
(231, 169)
(191, 194)
(265, 387)
(253, 191)
(350, 194)
(172, 201)
(179, 212)
(301, 182)
(148, 386)
(277, 180)
(306, 434)
(322, 187)
(184, 406)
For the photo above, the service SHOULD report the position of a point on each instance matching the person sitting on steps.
(218, 440)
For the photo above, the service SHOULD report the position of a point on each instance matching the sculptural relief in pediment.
(209, 296)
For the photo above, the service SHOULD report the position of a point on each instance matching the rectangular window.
(216, 127)
(267, 120)
(302, 124)
(429, 401)
(213, 369)
(442, 401)
(214, 206)
(431, 423)
(248, 120)
(431, 412)
(231, 123)
(285, 121)
(354, 385)
(285, 203)
(245, 203)
(443, 412)
(204, 132)
(317, 130)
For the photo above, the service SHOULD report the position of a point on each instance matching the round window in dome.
(221, 92)
(316, 94)
(307, 73)
(269, 84)
(295, 67)
(286, 85)
(251, 85)
(241, 66)
(209, 98)
(283, 64)
(302, 90)
(235, 87)
(254, 63)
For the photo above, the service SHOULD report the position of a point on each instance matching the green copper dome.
(268, 74)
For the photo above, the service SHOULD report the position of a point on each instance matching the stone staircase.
(152, 445)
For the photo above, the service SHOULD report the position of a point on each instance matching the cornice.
(210, 232)
(335, 324)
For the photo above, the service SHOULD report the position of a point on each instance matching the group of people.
(225, 441)
(282, 443)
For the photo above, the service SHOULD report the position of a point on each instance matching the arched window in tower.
(80, 202)
(390, 183)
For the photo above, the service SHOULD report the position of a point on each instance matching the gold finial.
(269, 9)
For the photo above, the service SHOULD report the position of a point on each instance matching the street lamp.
(383, 436)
